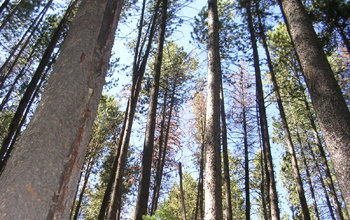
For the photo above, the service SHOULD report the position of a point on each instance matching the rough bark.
(331, 109)
(40, 179)
(142, 197)
(34, 81)
(274, 209)
(291, 149)
(322, 156)
(213, 201)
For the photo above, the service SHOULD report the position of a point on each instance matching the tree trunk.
(10, 14)
(33, 83)
(213, 201)
(329, 180)
(225, 156)
(114, 186)
(142, 197)
(40, 179)
(182, 193)
(274, 209)
(4, 74)
(331, 109)
(290, 144)
(308, 178)
(86, 179)
(159, 179)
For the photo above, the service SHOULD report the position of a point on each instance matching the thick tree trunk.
(331, 109)
(40, 179)
(290, 144)
(33, 83)
(142, 197)
(213, 201)
(274, 209)
(329, 180)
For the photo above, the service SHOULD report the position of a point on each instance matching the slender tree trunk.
(331, 109)
(225, 156)
(322, 181)
(182, 193)
(308, 178)
(246, 151)
(200, 203)
(23, 120)
(344, 38)
(44, 168)
(33, 83)
(114, 186)
(290, 144)
(213, 201)
(159, 179)
(4, 74)
(274, 209)
(329, 180)
(86, 179)
(142, 197)
(159, 159)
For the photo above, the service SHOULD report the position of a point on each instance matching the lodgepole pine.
(273, 197)
(39, 181)
(142, 197)
(291, 149)
(213, 201)
(331, 109)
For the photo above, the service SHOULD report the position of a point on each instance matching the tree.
(331, 109)
(213, 202)
(45, 165)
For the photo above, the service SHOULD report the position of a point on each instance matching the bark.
(331, 109)
(33, 83)
(23, 120)
(114, 186)
(213, 201)
(274, 209)
(40, 179)
(322, 156)
(199, 204)
(291, 149)
(86, 179)
(322, 182)
(182, 193)
(225, 156)
(246, 152)
(142, 197)
(159, 179)
(308, 178)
